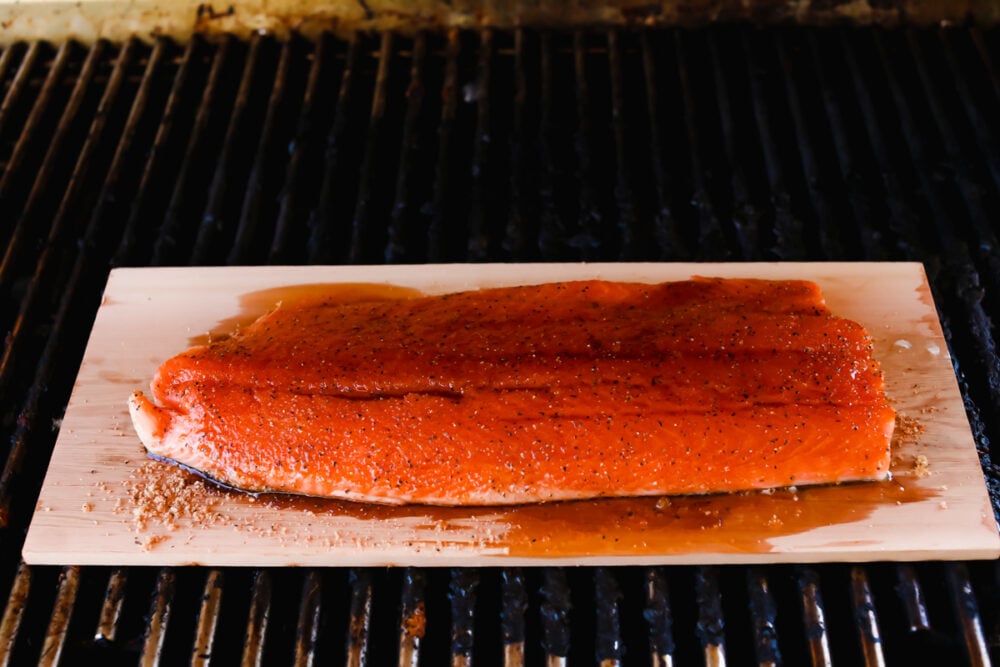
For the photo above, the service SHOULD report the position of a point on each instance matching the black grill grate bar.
(710, 242)
(258, 618)
(55, 636)
(48, 262)
(866, 618)
(587, 239)
(26, 136)
(399, 235)
(109, 621)
(552, 229)
(443, 190)
(711, 622)
(847, 161)
(988, 587)
(607, 606)
(966, 608)
(814, 617)
(321, 247)
(254, 205)
(208, 617)
(789, 242)
(630, 246)
(658, 617)
(360, 622)
(26, 228)
(830, 245)
(763, 614)
(745, 215)
(6, 60)
(214, 219)
(20, 80)
(310, 607)
(984, 54)
(290, 200)
(168, 246)
(138, 229)
(463, 585)
(158, 618)
(370, 168)
(912, 596)
(514, 603)
(413, 617)
(478, 243)
(554, 611)
(516, 232)
(13, 614)
(664, 222)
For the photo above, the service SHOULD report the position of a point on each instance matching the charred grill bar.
(723, 143)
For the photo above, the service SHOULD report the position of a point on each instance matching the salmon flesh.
(530, 394)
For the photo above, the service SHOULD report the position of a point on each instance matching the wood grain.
(99, 499)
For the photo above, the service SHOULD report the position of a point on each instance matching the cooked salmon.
(530, 394)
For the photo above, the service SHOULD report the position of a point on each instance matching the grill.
(726, 143)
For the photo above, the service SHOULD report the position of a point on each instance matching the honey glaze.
(254, 304)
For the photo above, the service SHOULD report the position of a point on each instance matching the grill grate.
(727, 143)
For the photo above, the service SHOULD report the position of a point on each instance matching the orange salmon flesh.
(530, 394)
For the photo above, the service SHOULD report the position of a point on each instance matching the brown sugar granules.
(161, 495)
(908, 429)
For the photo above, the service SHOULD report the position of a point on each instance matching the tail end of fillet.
(149, 421)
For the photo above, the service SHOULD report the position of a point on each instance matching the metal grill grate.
(729, 143)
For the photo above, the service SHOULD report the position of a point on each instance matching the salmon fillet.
(530, 394)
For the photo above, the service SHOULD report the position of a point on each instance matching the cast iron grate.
(729, 143)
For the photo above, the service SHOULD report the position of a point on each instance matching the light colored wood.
(148, 315)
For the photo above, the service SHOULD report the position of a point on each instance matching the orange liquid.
(742, 523)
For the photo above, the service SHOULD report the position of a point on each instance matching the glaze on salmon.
(530, 394)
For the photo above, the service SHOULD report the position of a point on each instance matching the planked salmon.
(530, 394)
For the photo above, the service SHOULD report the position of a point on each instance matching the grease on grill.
(415, 624)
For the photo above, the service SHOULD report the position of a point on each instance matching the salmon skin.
(530, 394)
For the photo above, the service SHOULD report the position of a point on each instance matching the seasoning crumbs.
(159, 495)
(907, 429)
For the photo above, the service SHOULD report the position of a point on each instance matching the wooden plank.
(97, 502)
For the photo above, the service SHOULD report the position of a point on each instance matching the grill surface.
(724, 144)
